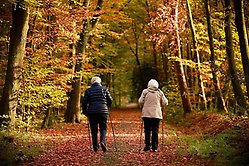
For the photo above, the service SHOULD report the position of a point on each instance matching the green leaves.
(44, 95)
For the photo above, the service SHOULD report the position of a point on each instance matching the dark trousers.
(98, 121)
(151, 125)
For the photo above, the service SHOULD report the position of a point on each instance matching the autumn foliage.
(69, 143)
(126, 43)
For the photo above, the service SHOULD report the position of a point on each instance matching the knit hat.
(153, 83)
(96, 80)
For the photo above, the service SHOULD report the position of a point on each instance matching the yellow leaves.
(204, 69)
(115, 35)
(185, 62)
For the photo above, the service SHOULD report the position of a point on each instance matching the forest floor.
(69, 143)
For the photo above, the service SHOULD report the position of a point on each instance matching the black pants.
(98, 121)
(151, 125)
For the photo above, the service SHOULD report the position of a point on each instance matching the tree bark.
(221, 105)
(230, 57)
(72, 113)
(73, 105)
(155, 60)
(243, 39)
(180, 71)
(18, 35)
(196, 54)
(47, 119)
(165, 62)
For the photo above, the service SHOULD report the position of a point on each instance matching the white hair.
(96, 80)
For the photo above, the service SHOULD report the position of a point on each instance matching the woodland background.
(197, 50)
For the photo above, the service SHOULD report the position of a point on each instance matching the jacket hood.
(153, 85)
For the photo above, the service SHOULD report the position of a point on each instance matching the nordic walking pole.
(113, 132)
(141, 134)
(89, 132)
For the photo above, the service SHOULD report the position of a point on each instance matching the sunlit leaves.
(165, 23)
(47, 66)
(185, 62)
(43, 96)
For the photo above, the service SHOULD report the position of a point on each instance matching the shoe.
(147, 148)
(103, 146)
(154, 150)
(95, 148)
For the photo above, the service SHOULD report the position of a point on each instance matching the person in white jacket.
(152, 100)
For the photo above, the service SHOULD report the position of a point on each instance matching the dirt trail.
(74, 146)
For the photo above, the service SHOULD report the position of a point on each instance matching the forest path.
(74, 146)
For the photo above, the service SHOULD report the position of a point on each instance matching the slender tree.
(18, 35)
(230, 57)
(196, 52)
(73, 105)
(218, 94)
(243, 39)
(179, 68)
(170, 23)
(165, 63)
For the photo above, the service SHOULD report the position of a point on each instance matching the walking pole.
(113, 132)
(89, 132)
(141, 134)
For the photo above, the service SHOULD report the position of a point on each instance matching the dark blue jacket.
(97, 99)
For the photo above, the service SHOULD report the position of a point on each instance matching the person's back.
(95, 105)
(151, 101)
(97, 99)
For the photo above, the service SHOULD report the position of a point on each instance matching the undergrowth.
(14, 148)
(217, 147)
(215, 137)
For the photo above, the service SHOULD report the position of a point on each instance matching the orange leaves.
(164, 22)
(70, 142)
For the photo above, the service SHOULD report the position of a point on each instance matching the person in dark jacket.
(95, 105)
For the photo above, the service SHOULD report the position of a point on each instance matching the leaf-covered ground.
(70, 142)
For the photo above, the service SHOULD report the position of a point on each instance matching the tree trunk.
(72, 114)
(30, 44)
(135, 51)
(243, 39)
(18, 35)
(196, 54)
(155, 60)
(230, 57)
(191, 78)
(165, 62)
(47, 118)
(74, 96)
(180, 72)
(221, 105)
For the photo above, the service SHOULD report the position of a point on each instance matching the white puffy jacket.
(151, 100)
